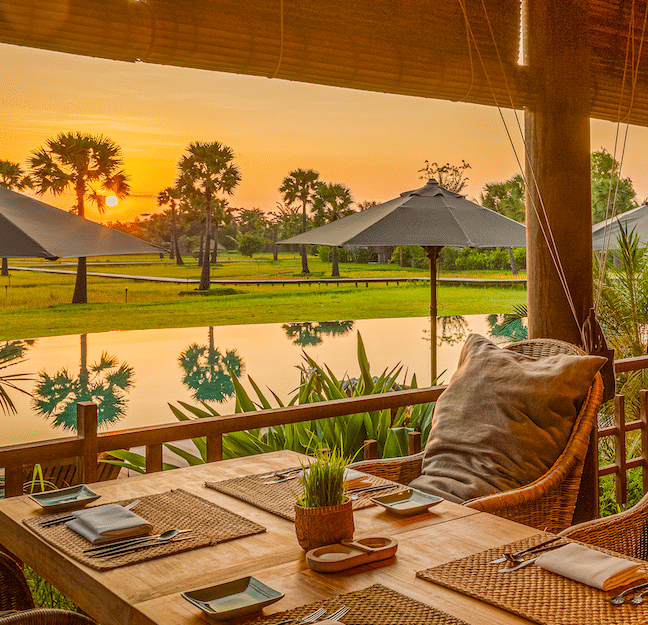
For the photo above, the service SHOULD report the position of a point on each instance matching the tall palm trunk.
(205, 275)
(175, 248)
(302, 248)
(81, 286)
(214, 258)
(335, 269)
(5, 267)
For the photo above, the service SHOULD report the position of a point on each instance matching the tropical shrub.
(346, 433)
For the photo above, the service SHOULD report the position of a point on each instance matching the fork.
(311, 618)
(337, 614)
(514, 557)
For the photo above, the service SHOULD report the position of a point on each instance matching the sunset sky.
(374, 143)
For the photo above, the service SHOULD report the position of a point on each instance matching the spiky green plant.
(318, 384)
(323, 480)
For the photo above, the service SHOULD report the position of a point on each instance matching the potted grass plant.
(323, 514)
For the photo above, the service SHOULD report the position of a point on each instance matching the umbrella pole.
(432, 254)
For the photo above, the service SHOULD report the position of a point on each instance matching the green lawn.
(36, 304)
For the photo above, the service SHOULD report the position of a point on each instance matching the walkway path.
(298, 281)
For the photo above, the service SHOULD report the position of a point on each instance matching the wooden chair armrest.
(625, 532)
(402, 470)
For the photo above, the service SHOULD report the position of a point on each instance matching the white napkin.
(104, 524)
(590, 567)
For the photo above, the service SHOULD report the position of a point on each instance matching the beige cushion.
(503, 421)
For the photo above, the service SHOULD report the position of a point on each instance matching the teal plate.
(71, 498)
(233, 599)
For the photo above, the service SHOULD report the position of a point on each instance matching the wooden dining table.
(149, 592)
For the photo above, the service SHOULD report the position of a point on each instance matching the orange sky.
(374, 143)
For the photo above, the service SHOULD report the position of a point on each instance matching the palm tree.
(11, 353)
(333, 202)
(206, 170)
(171, 197)
(12, 176)
(89, 164)
(300, 184)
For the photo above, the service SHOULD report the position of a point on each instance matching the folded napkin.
(590, 567)
(104, 524)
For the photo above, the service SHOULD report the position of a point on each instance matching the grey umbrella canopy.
(431, 217)
(605, 233)
(32, 229)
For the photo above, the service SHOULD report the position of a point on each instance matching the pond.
(134, 375)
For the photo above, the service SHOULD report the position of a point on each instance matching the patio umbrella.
(431, 217)
(605, 233)
(30, 228)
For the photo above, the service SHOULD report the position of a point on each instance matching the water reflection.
(11, 353)
(207, 370)
(509, 326)
(310, 333)
(106, 382)
(451, 329)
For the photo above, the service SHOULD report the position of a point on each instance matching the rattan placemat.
(532, 592)
(174, 509)
(280, 498)
(376, 605)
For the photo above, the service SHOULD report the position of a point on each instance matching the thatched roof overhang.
(408, 47)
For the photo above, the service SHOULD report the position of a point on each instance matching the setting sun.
(111, 200)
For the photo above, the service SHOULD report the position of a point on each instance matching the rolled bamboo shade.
(410, 47)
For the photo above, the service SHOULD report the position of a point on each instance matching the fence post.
(371, 449)
(87, 431)
(153, 458)
(214, 447)
(620, 449)
(643, 417)
(413, 442)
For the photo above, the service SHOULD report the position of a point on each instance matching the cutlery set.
(518, 560)
(129, 545)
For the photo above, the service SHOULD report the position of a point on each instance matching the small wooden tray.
(350, 553)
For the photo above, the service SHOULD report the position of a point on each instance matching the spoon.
(637, 599)
(620, 598)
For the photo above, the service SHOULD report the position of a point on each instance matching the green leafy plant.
(318, 384)
(323, 480)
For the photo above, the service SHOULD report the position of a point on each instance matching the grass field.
(37, 304)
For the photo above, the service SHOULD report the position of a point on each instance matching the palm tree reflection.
(207, 370)
(106, 382)
(310, 333)
(451, 329)
(508, 325)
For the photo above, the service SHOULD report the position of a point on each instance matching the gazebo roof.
(412, 48)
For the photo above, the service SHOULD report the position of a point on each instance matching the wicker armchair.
(15, 595)
(624, 532)
(548, 503)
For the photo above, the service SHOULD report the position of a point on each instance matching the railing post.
(643, 417)
(620, 449)
(413, 442)
(87, 431)
(214, 447)
(13, 481)
(153, 458)
(371, 450)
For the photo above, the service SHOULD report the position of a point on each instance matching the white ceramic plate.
(407, 502)
(71, 498)
(233, 599)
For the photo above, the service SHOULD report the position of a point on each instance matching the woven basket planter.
(316, 527)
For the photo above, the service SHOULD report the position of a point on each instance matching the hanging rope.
(281, 45)
(544, 224)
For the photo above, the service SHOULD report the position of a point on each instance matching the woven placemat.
(280, 498)
(376, 605)
(532, 592)
(174, 509)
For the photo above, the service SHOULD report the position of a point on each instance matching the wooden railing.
(88, 443)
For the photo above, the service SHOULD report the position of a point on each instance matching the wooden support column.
(557, 129)
(557, 132)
